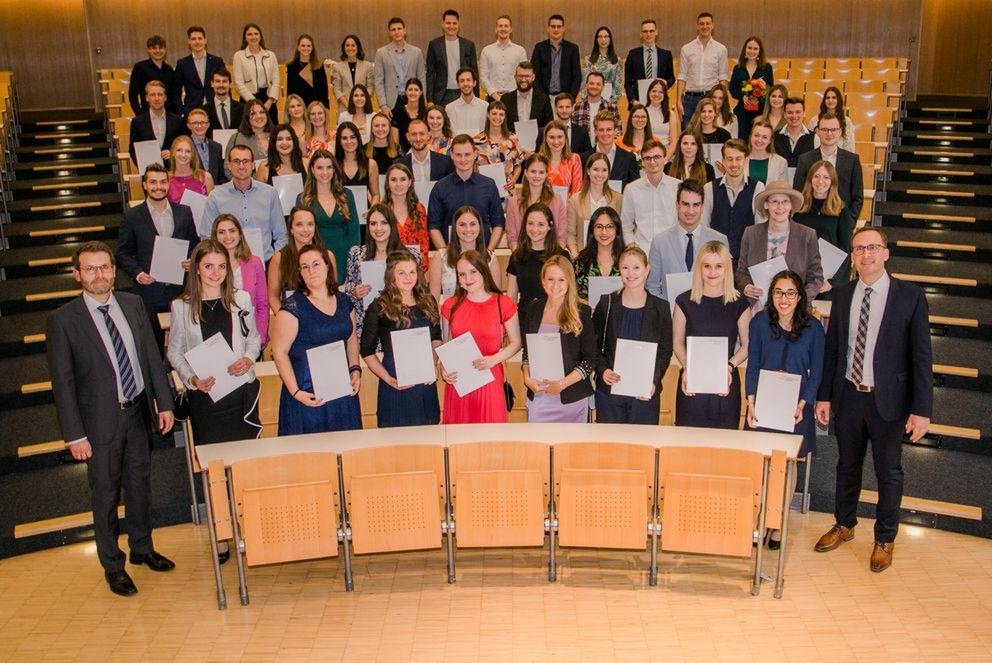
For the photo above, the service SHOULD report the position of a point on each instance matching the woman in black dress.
(305, 73)
(751, 65)
(537, 242)
(404, 303)
(713, 307)
(409, 106)
(825, 212)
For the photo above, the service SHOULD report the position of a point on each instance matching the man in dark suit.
(193, 72)
(421, 160)
(556, 61)
(578, 139)
(210, 151)
(109, 384)
(155, 68)
(648, 54)
(850, 186)
(878, 382)
(157, 124)
(442, 87)
(536, 103)
(623, 164)
(794, 140)
(136, 242)
(223, 111)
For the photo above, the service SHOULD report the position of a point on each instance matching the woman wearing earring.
(318, 136)
(762, 162)
(601, 255)
(751, 65)
(774, 112)
(404, 303)
(247, 270)
(595, 193)
(535, 189)
(535, 245)
(284, 158)
(333, 206)
(305, 74)
(254, 132)
(466, 227)
(256, 72)
(352, 69)
(185, 171)
(356, 168)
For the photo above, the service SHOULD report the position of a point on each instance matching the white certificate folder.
(329, 371)
(634, 361)
(457, 356)
(168, 255)
(706, 364)
(777, 399)
(413, 356)
(544, 356)
(210, 359)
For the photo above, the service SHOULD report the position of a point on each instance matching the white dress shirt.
(701, 67)
(497, 64)
(467, 118)
(117, 315)
(879, 296)
(158, 127)
(524, 102)
(648, 209)
(453, 53)
(163, 221)
(223, 109)
(421, 169)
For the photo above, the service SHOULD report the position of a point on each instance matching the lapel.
(87, 326)
(891, 295)
(844, 298)
(792, 246)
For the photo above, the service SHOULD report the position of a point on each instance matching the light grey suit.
(802, 255)
(668, 257)
(387, 75)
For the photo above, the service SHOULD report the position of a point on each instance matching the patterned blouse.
(567, 174)
(507, 152)
(441, 145)
(414, 233)
(612, 74)
(582, 278)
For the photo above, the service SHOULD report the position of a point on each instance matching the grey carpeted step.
(951, 245)
(41, 260)
(971, 353)
(27, 426)
(962, 407)
(52, 231)
(19, 334)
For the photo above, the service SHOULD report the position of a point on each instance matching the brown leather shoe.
(837, 535)
(881, 556)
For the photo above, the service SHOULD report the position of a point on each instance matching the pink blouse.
(253, 282)
(179, 183)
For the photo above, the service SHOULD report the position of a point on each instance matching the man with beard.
(425, 164)
(525, 102)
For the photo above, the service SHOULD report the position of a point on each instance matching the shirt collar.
(878, 287)
(93, 304)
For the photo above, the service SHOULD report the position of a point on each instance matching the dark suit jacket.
(540, 110)
(141, 129)
(188, 81)
(441, 164)
(570, 72)
(135, 242)
(633, 69)
(903, 360)
(580, 144)
(437, 66)
(580, 351)
(623, 168)
(783, 147)
(802, 255)
(83, 379)
(656, 328)
(237, 111)
(216, 166)
(850, 186)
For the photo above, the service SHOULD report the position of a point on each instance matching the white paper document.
(329, 371)
(831, 258)
(616, 185)
(675, 285)
(147, 152)
(223, 136)
(763, 273)
(561, 192)
(706, 364)
(423, 190)
(374, 276)
(413, 356)
(253, 238)
(288, 187)
(497, 173)
(585, 233)
(457, 356)
(361, 194)
(382, 185)
(526, 131)
(642, 89)
(776, 401)
(544, 356)
(713, 152)
(607, 90)
(634, 361)
(167, 258)
(210, 359)
(197, 202)
(602, 285)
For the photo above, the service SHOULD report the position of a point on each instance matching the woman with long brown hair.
(332, 204)
(535, 189)
(284, 157)
(595, 193)
(564, 166)
(466, 228)
(535, 244)
(824, 211)
(305, 74)
(247, 270)
(411, 216)
(284, 267)
(688, 161)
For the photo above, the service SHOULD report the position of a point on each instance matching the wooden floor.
(935, 603)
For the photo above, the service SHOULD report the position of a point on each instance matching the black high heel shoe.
(224, 555)
(773, 544)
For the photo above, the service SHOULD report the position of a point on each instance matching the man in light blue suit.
(675, 250)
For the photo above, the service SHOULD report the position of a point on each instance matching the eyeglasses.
(788, 295)
(198, 123)
(830, 130)
(90, 270)
(241, 162)
(652, 157)
(870, 249)
(599, 227)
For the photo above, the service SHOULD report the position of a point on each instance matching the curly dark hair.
(800, 319)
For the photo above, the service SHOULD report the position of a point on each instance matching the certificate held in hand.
(413, 356)
(210, 359)
(706, 364)
(457, 356)
(168, 255)
(329, 371)
(634, 361)
(497, 173)
(763, 273)
(544, 356)
(374, 276)
(777, 399)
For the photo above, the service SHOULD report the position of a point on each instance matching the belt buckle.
(125, 404)
(863, 388)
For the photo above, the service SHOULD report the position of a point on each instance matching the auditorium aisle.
(64, 190)
(935, 204)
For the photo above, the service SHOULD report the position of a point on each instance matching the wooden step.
(58, 294)
(66, 231)
(958, 371)
(967, 248)
(937, 280)
(36, 387)
(41, 448)
(929, 506)
(953, 322)
(956, 431)
(939, 217)
(59, 524)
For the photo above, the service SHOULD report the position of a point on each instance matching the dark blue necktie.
(689, 253)
(123, 361)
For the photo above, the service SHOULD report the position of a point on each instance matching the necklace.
(211, 303)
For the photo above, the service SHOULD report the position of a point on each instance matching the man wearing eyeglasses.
(849, 183)
(210, 152)
(255, 204)
(109, 386)
(649, 202)
(878, 383)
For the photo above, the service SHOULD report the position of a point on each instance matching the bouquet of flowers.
(753, 90)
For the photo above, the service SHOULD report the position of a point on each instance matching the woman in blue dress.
(314, 315)
(404, 303)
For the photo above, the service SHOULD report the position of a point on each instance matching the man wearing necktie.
(109, 385)
(878, 382)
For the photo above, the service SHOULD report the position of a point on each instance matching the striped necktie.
(649, 65)
(123, 361)
(858, 367)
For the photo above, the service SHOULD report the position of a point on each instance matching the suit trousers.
(857, 423)
(123, 462)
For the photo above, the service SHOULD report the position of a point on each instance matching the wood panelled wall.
(55, 62)
(956, 46)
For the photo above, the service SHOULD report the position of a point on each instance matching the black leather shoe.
(120, 583)
(155, 561)
(223, 556)
(774, 544)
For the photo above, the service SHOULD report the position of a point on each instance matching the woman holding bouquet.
(750, 82)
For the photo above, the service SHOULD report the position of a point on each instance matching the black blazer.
(783, 147)
(850, 186)
(441, 165)
(141, 129)
(540, 110)
(657, 328)
(633, 69)
(309, 93)
(216, 166)
(188, 81)
(570, 73)
(436, 62)
(237, 112)
(577, 351)
(83, 378)
(623, 168)
(903, 359)
(135, 241)
(580, 144)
